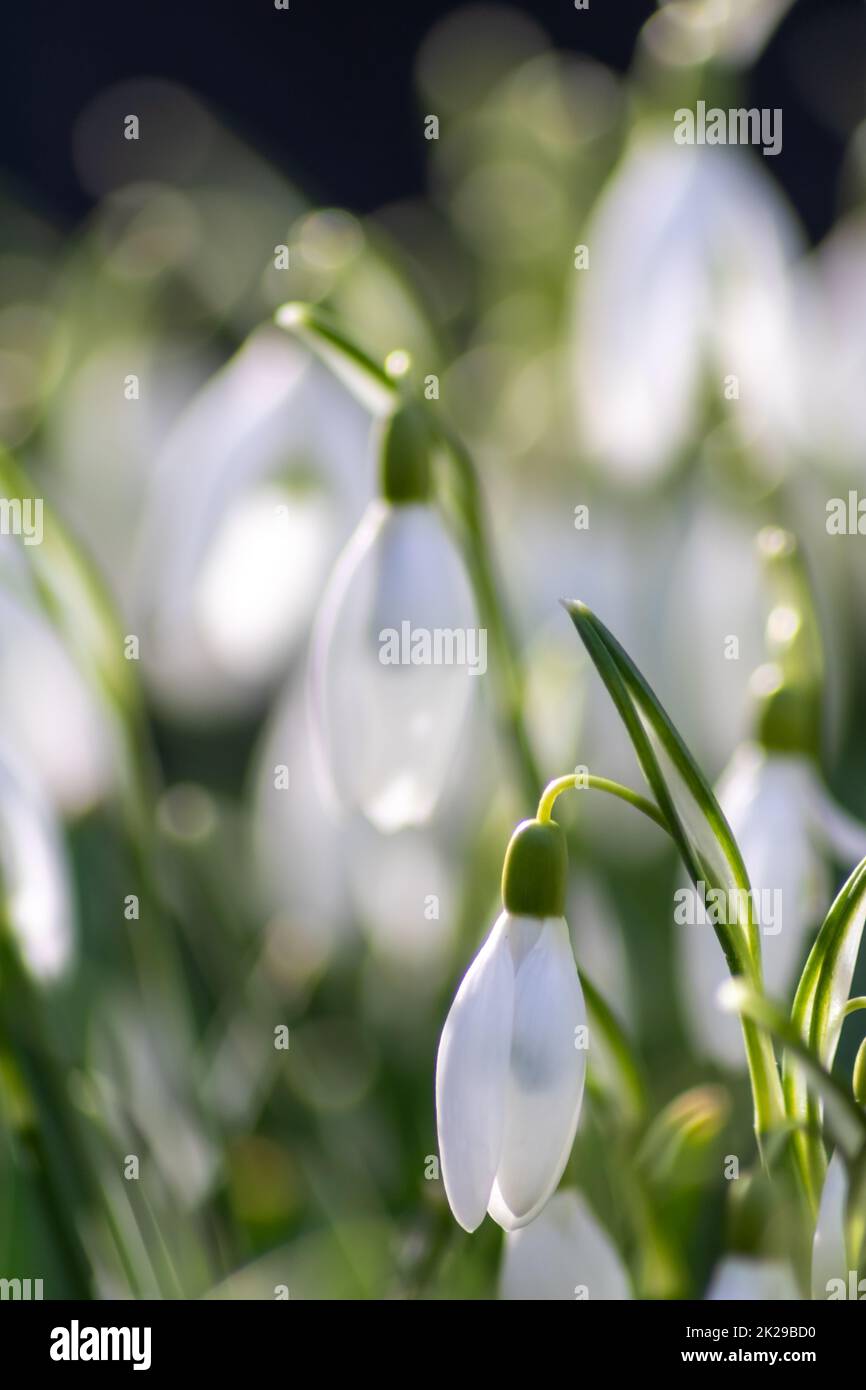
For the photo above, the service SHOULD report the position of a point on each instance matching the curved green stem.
(469, 521)
(323, 337)
(578, 781)
(766, 1088)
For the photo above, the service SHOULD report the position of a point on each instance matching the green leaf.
(698, 827)
(855, 1212)
(696, 820)
(820, 1006)
(70, 595)
(845, 1120)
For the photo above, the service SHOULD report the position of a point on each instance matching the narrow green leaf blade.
(845, 1119)
(696, 820)
(820, 1001)
(701, 833)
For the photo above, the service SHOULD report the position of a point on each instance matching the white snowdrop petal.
(259, 580)
(471, 1072)
(829, 1257)
(739, 1277)
(642, 316)
(388, 729)
(546, 1070)
(563, 1254)
(50, 715)
(35, 874)
(703, 972)
(842, 834)
(310, 912)
(766, 799)
(785, 869)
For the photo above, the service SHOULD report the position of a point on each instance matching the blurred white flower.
(563, 1254)
(34, 874)
(788, 827)
(139, 1052)
(48, 711)
(714, 591)
(686, 241)
(387, 731)
(300, 854)
(510, 1073)
(832, 348)
(101, 479)
(696, 31)
(249, 503)
(569, 717)
(744, 1278)
(829, 1257)
(402, 887)
(260, 577)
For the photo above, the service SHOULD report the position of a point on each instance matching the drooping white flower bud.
(512, 1058)
(393, 654)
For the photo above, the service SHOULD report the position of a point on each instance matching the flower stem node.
(535, 871)
(405, 465)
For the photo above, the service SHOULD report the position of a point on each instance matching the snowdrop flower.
(35, 880)
(832, 1273)
(50, 714)
(715, 249)
(787, 825)
(563, 1254)
(512, 1058)
(829, 1255)
(715, 589)
(734, 32)
(832, 344)
(235, 537)
(310, 913)
(745, 1278)
(394, 648)
(788, 828)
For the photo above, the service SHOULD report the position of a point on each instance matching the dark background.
(326, 89)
